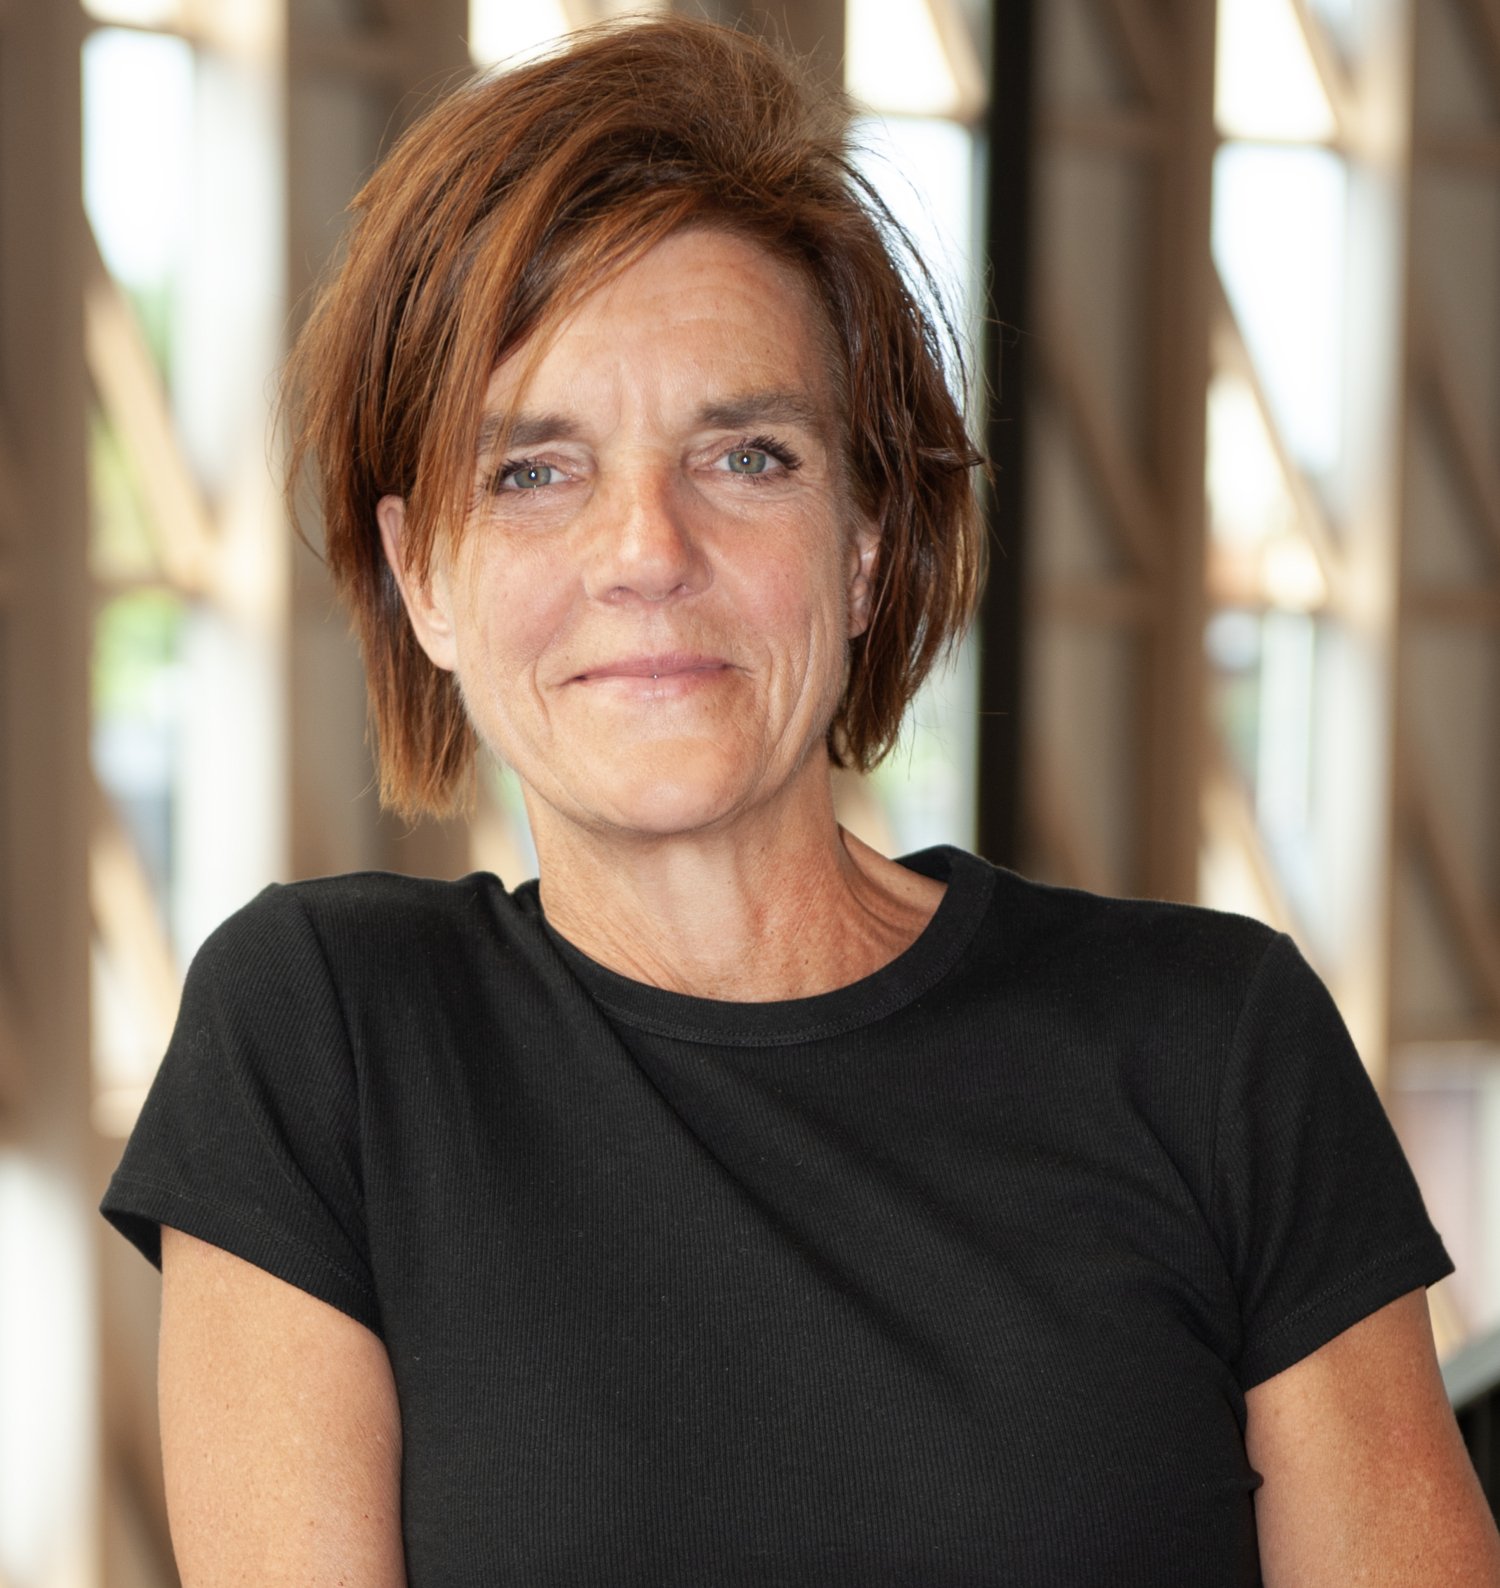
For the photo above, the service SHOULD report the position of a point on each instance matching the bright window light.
(895, 60)
(1259, 550)
(1248, 500)
(136, 13)
(1278, 241)
(1283, 772)
(924, 170)
(502, 30)
(137, 151)
(1266, 84)
(1338, 16)
(46, 1388)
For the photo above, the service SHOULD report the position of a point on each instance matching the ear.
(864, 552)
(428, 601)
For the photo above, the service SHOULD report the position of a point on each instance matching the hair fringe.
(519, 194)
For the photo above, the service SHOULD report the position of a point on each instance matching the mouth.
(674, 664)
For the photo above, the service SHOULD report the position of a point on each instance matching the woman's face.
(650, 607)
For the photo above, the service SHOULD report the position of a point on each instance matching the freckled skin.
(687, 837)
(676, 490)
(644, 539)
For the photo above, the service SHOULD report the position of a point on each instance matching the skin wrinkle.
(279, 1412)
(708, 812)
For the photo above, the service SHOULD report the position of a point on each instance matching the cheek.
(787, 592)
(510, 609)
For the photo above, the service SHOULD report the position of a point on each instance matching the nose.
(645, 545)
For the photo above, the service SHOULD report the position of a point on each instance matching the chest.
(658, 1320)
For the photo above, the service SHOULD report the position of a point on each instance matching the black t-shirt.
(954, 1276)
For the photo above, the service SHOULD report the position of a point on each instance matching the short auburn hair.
(504, 206)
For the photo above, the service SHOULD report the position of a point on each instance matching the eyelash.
(773, 448)
(513, 466)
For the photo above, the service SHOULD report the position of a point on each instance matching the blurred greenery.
(1234, 705)
(155, 310)
(136, 640)
(120, 544)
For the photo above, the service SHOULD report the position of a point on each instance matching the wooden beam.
(1007, 352)
(11, 520)
(1229, 819)
(1472, 447)
(1477, 151)
(1053, 817)
(1231, 353)
(1333, 75)
(374, 58)
(48, 1458)
(1458, 1033)
(130, 389)
(956, 35)
(1177, 305)
(1124, 132)
(1129, 499)
(11, 1060)
(1456, 604)
(205, 24)
(1451, 867)
(10, 489)
(1483, 18)
(1144, 47)
(126, 916)
(1111, 602)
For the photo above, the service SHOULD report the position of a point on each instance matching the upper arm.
(1366, 1479)
(281, 1434)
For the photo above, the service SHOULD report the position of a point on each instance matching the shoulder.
(360, 906)
(1145, 955)
(373, 928)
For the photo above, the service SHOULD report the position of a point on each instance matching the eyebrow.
(738, 412)
(524, 430)
(756, 407)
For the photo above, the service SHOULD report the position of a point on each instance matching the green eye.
(528, 476)
(748, 460)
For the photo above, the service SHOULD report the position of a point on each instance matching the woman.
(736, 1205)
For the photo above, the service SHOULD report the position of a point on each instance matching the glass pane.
(1248, 499)
(926, 786)
(136, 689)
(137, 166)
(500, 832)
(1263, 693)
(140, 13)
(1284, 760)
(1279, 243)
(120, 540)
(1257, 552)
(1339, 20)
(924, 171)
(1266, 85)
(1233, 643)
(925, 791)
(894, 58)
(1445, 1103)
(500, 30)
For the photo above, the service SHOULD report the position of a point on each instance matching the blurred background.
(1230, 274)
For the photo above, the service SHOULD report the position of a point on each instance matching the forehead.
(700, 318)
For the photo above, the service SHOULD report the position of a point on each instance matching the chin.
(678, 793)
(670, 810)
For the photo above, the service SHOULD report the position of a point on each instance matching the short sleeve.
(249, 1136)
(1314, 1204)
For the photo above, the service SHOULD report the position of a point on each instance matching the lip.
(671, 664)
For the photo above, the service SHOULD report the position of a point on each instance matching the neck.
(782, 903)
